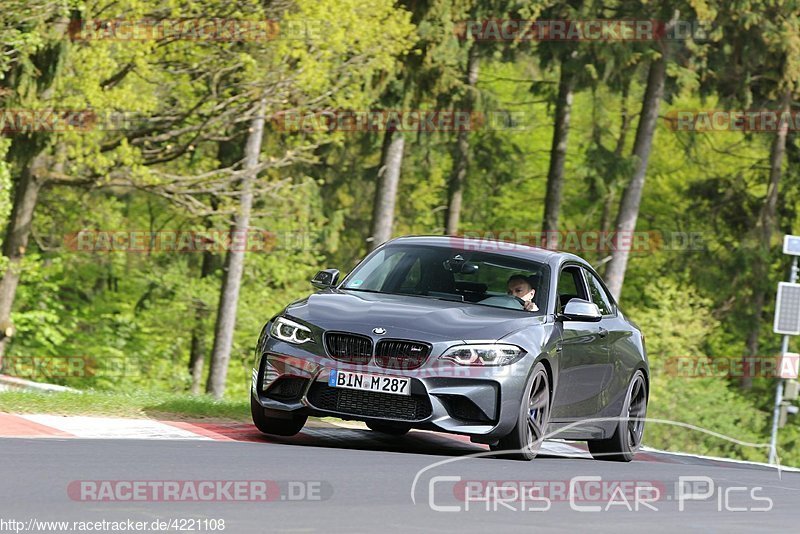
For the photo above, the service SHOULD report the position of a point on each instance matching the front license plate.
(384, 384)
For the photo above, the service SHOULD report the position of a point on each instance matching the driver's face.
(518, 288)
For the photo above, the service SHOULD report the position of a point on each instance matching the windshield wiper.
(445, 296)
(363, 290)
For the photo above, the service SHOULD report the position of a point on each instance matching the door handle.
(603, 332)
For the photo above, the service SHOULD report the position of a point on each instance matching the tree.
(578, 64)
(760, 68)
(44, 71)
(632, 196)
(293, 77)
(234, 261)
(461, 153)
(482, 15)
(558, 150)
(628, 211)
(45, 56)
(426, 74)
(386, 191)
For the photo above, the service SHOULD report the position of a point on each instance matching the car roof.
(507, 248)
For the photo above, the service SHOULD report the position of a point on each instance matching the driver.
(519, 286)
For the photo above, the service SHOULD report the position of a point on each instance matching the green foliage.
(679, 324)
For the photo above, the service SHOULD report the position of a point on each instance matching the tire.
(392, 429)
(534, 414)
(273, 425)
(627, 437)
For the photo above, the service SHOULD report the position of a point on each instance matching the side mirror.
(325, 278)
(581, 310)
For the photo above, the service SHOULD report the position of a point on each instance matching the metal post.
(776, 413)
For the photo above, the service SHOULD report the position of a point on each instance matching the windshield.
(467, 276)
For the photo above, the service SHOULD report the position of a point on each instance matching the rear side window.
(599, 295)
(570, 286)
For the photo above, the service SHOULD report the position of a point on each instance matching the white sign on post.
(791, 245)
(790, 365)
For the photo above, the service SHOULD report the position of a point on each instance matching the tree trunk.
(30, 153)
(632, 196)
(767, 225)
(197, 355)
(558, 150)
(386, 192)
(608, 202)
(15, 243)
(608, 207)
(458, 176)
(234, 264)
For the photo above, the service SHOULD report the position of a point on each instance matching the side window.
(566, 283)
(599, 295)
(570, 286)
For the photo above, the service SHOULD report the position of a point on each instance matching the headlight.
(497, 354)
(290, 331)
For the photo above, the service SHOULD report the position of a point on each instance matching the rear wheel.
(392, 429)
(526, 439)
(627, 437)
(273, 425)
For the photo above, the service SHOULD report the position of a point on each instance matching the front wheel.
(273, 425)
(627, 437)
(526, 439)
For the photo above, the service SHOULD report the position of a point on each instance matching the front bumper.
(482, 402)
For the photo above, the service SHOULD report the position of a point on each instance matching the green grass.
(136, 404)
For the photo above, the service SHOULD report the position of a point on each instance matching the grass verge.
(134, 404)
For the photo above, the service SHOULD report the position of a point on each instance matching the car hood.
(409, 317)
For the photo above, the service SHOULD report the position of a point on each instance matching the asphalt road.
(348, 480)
